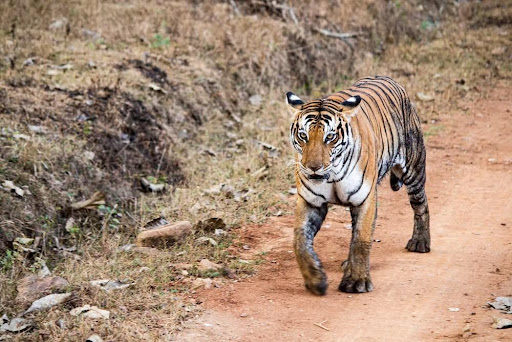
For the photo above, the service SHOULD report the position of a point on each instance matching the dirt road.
(469, 187)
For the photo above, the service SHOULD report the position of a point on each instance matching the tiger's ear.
(293, 102)
(350, 106)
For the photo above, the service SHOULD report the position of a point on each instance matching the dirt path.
(469, 188)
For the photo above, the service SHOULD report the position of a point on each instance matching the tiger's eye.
(303, 136)
(330, 137)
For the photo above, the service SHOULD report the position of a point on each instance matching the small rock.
(347, 226)
(66, 66)
(16, 325)
(9, 186)
(70, 223)
(53, 72)
(502, 303)
(37, 129)
(91, 34)
(207, 265)
(202, 282)
(24, 241)
(144, 269)
(61, 324)
(501, 323)
(156, 87)
(89, 155)
(125, 248)
(498, 51)
(424, 97)
(164, 236)
(58, 24)
(151, 187)
(48, 302)
(184, 272)
(246, 247)
(255, 100)
(220, 232)
(466, 332)
(29, 61)
(453, 309)
(91, 64)
(90, 312)
(204, 239)
(243, 195)
(32, 287)
(44, 271)
(94, 338)
(110, 285)
(243, 315)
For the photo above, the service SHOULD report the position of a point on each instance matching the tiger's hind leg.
(414, 180)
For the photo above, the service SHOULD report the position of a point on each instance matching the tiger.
(345, 144)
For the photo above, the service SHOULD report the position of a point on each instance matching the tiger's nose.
(315, 167)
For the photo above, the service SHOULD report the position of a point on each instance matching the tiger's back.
(393, 119)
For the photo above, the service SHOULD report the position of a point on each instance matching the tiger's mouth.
(319, 177)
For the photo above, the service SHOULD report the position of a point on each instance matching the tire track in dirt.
(469, 187)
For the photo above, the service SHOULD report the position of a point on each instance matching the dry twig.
(337, 35)
(282, 7)
(320, 325)
(235, 7)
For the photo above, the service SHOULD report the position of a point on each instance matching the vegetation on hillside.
(96, 96)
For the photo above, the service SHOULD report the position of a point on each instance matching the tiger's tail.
(395, 181)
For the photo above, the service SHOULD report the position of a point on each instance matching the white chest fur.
(353, 190)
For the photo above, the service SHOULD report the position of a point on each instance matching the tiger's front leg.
(308, 220)
(356, 268)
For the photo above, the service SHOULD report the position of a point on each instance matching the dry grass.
(197, 132)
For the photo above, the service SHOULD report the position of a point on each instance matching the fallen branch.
(320, 325)
(98, 198)
(337, 35)
(291, 12)
(279, 7)
(235, 7)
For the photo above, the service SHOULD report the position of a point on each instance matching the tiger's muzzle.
(318, 177)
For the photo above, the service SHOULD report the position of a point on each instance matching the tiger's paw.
(418, 245)
(316, 282)
(351, 285)
(318, 289)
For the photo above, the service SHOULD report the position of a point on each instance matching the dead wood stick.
(293, 16)
(282, 7)
(338, 35)
(235, 7)
(320, 325)
(97, 199)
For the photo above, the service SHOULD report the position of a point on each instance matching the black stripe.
(307, 187)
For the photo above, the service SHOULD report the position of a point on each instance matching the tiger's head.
(321, 132)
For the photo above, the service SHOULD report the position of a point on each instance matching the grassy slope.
(198, 131)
